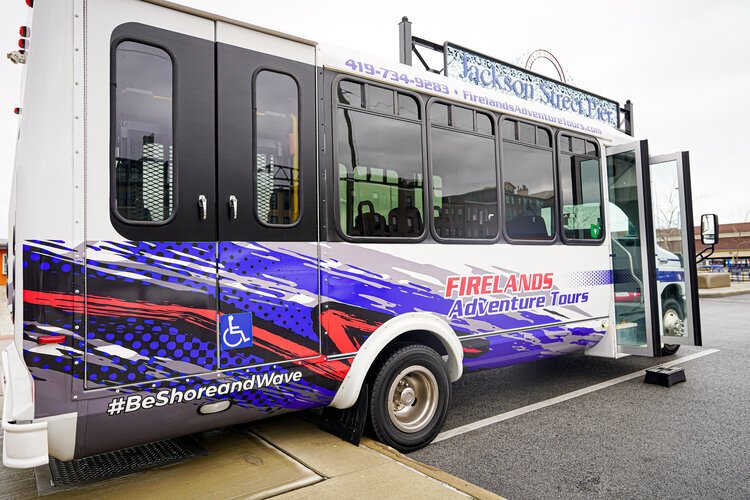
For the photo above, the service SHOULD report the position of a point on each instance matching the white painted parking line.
(559, 399)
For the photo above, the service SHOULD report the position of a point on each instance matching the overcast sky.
(683, 63)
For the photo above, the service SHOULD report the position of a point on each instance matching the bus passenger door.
(267, 216)
(653, 265)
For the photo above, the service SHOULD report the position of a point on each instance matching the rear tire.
(673, 318)
(409, 399)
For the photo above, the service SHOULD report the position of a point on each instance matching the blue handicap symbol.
(236, 330)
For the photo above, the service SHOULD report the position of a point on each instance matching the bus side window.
(277, 180)
(580, 189)
(528, 181)
(464, 175)
(380, 180)
(144, 153)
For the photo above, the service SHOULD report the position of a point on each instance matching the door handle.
(203, 206)
(233, 207)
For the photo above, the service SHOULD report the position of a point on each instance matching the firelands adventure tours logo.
(535, 289)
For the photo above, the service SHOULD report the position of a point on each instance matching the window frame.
(364, 108)
(560, 153)
(431, 198)
(115, 44)
(254, 147)
(555, 184)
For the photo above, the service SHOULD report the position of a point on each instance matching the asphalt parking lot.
(629, 440)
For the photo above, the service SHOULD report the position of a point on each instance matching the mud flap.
(348, 424)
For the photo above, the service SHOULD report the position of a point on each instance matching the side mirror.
(709, 229)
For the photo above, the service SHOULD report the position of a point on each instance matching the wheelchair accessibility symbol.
(236, 330)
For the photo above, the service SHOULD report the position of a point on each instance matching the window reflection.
(380, 175)
(277, 185)
(465, 204)
(144, 152)
(529, 189)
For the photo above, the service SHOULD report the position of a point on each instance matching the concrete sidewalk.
(733, 289)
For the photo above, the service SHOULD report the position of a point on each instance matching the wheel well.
(671, 291)
(414, 337)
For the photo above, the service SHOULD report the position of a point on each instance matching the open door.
(676, 273)
(652, 250)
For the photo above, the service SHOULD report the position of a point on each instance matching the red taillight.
(17, 111)
(24, 31)
(30, 3)
(22, 43)
(51, 339)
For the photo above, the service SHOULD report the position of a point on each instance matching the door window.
(144, 150)
(277, 180)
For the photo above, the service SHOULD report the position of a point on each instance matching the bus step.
(666, 376)
(61, 476)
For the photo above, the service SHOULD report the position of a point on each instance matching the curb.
(722, 293)
(439, 475)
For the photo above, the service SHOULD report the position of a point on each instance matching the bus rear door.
(653, 250)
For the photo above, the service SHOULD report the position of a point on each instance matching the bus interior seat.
(370, 222)
(405, 220)
(527, 226)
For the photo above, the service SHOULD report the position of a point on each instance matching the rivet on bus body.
(77, 291)
(75, 397)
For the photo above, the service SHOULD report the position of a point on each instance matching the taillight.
(24, 31)
(17, 111)
(30, 3)
(23, 43)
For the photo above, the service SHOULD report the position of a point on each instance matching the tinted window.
(580, 188)
(529, 191)
(144, 152)
(509, 130)
(526, 133)
(484, 124)
(407, 107)
(465, 204)
(380, 99)
(439, 113)
(277, 184)
(350, 93)
(462, 118)
(380, 175)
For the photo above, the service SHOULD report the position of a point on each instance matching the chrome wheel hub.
(673, 325)
(413, 399)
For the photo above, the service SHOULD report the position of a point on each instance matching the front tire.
(673, 321)
(409, 400)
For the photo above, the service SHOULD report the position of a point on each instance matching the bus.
(214, 223)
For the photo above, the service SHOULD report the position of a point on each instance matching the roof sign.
(492, 74)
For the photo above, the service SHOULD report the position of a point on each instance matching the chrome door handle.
(203, 206)
(233, 206)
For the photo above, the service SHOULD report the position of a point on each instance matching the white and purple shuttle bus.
(214, 223)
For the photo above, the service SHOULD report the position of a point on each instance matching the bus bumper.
(24, 441)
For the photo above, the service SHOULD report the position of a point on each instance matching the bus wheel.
(673, 321)
(409, 399)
